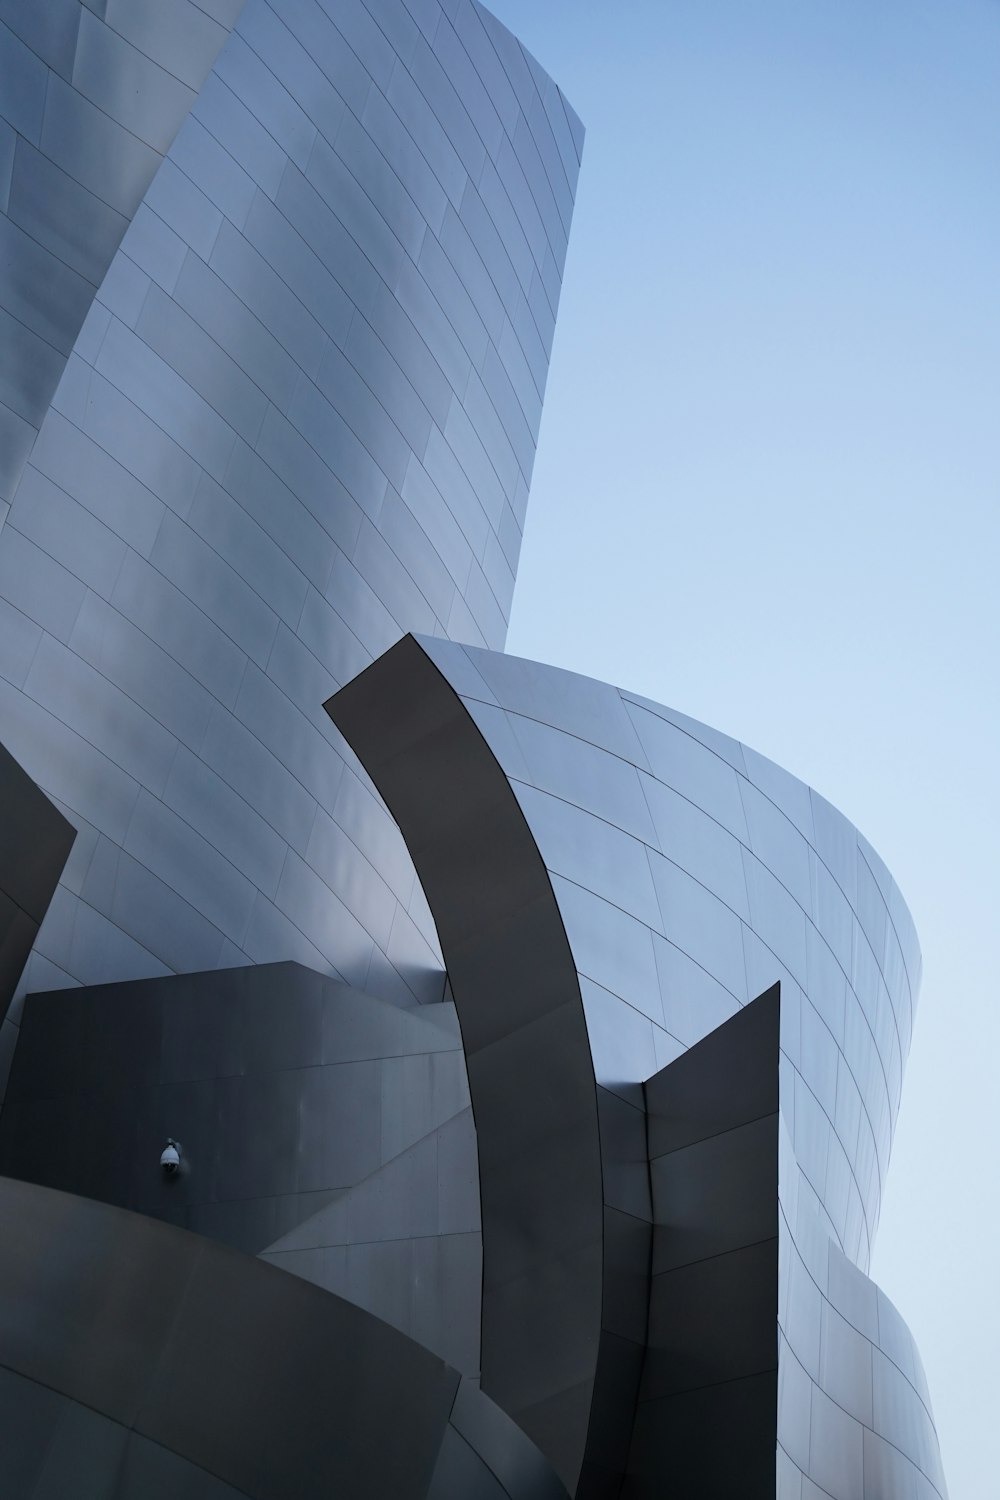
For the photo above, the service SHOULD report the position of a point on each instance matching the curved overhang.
(192, 1360)
(517, 992)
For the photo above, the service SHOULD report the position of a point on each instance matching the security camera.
(170, 1159)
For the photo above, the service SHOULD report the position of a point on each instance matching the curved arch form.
(140, 1357)
(531, 1078)
(689, 875)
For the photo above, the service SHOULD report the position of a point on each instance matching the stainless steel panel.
(47, 296)
(63, 530)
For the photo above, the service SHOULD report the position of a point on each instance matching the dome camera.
(170, 1159)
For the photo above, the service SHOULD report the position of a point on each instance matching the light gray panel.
(438, 88)
(189, 351)
(693, 840)
(698, 923)
(410, 107)
(210, 166)
(282, 515)
(213, 584)
(255, 556)
(37, 585)
(395, 176)
(325, 234)
(183, 37)
(776, 916)
(240, 132)
(67, 686)
(410, 351)
(18, 642)
(338, 445)
(694, 1002)
(846, 1366)
(105, 158)
(83, 469)
(60, 527)
(236, 330)
(611, 948)
(272, 717)
(835, 1449)
(175, 198)
(126, 84)
(778, 844)
(123, 291)
(592, 853)
(326, 635)
(291, 59)
(169, 401)
(151, 677)
(389, 579)
(155, 248)
(408, 539)
(424, 311)
(336, 860)
(298, 325)
(25, 81)
(476, 433)
(302, 469)
(252, 82)
(444, 472)
(162, 612)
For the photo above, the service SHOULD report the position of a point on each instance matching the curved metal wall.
(690, 874)
(299, 420)
(91, 97)
(139, 1360)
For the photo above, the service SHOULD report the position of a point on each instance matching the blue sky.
(767, 494)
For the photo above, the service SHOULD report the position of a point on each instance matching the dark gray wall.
(330, 1129)
(35, 841)
(139, 1361)
(706, 1421)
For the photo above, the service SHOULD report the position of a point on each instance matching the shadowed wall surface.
(318, 1126)
(35, 841)
(139, 1361)
(690, 874)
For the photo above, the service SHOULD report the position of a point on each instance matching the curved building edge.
(142, 1359)
(689, 873)
(299, 420)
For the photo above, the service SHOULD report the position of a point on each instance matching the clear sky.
(767, 494)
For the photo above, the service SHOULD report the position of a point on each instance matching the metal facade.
(298, 420)
(278, 291)
(325, 1130)
(219, 1378)
(688, 875)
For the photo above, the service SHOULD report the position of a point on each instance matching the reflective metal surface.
(322, 1128)
(299, 419)
(91, 97)
(142, 1361)
(278, 291)
(689, 875)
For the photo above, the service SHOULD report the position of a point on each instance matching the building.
(553, 1041)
